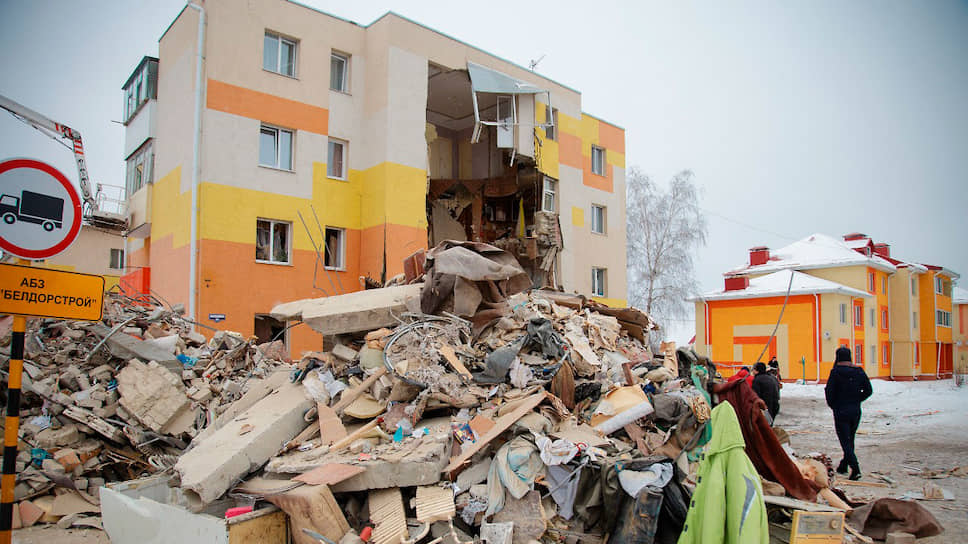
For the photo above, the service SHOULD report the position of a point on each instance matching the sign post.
(40, 216)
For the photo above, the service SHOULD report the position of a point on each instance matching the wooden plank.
(312, 507)
(502, 424)
(268, 528)
(859, 483)
(448, 353)
(342, 443)
(349, 395)
(331, 428)
(796, 504)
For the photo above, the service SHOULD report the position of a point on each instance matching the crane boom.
(60, 132)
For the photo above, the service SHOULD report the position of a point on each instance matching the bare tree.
(664, 229)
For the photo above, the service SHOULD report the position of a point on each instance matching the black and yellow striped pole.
(11, 428)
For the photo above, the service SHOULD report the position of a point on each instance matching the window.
(117, 259)
(885, 355)
(140, 87)
(942, 318)
(267, 329)
(843, 313)
(336, 165)
(551, 116)
(884, 284)
(598, 219)
(874, 354)
(914, 320)
(871, 286)
(335, 250)
(139, 168)
(339, 71)
(884, 318)
(871, 322)
(275, 148)
(271, 241)
(598, 161)
(914, 285)
(549, 201)
(598, 282)
(858, 316)
(858, 354)
(279, 55)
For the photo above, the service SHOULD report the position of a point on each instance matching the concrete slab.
(210, 468)
(352, 312)
(156, 397)
(129, 347)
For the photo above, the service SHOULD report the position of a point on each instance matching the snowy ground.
(906, 427)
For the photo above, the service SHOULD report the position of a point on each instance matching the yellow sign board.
(42, 292)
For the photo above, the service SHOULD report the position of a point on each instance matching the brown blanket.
(878, 518)
(762, 446)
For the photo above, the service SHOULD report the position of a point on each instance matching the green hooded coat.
(727, 505)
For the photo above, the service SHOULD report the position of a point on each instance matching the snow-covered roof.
(814, 251)
(959, 295)
(857, 243)
(775, 284)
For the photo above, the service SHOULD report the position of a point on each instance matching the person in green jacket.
(727, 506)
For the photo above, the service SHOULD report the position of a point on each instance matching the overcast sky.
(796, 117)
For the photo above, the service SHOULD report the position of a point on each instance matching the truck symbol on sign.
(30, 207)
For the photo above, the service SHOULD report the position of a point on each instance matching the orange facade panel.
(266, 107)
(569, 150)
(611, 137)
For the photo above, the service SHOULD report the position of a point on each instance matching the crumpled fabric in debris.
(660, 375)
(556, 452)
(520, 374)
(563, 482)
(877, 518)
(541, 332)
(669, 409)
(514, 468)
(453, 268)
(497, 363)
(656, 475)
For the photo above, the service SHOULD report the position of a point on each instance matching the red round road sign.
(40, 211)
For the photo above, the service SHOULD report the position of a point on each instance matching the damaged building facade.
(292, 154)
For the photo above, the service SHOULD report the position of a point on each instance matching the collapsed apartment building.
(460, 407)
(249, 163)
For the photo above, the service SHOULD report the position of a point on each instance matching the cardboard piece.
(312, 507)
(434, 503)
(331, 428)
(72, 503)
(448, 353)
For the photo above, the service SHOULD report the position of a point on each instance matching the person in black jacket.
(767, 388)
(847, 387)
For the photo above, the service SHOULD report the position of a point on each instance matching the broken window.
(339, 65)
(117, 259)
(335, 250)
(279, 55)
(598, 282)
(275, 147)
(551, 122)
(598, 161)
(549, 201)
(272, 241)
(598, 219)
(336, 166)
(268, 329)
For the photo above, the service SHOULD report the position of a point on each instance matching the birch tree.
(665, 227)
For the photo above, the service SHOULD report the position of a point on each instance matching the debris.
(388, 517)
(352, 312)
(311, 507)
(329, 474)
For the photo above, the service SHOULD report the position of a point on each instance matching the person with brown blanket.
(762, 446)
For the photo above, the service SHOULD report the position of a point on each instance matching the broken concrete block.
(210, 468)
(68, 459)
(52, 438)
(155, 397)
(258, 389)
(352, 312)
(345, 353)
(900, 538)
(127, 347)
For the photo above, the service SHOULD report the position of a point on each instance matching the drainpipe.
(853, 323)
(816, 308)
(705, 305)
(914, 325)
(196, 150)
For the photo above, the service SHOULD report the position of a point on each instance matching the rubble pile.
(120, 399)
(458, 405)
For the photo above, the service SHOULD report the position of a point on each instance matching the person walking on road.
(847, 387)
(767, 388)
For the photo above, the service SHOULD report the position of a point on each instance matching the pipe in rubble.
(196, 159)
